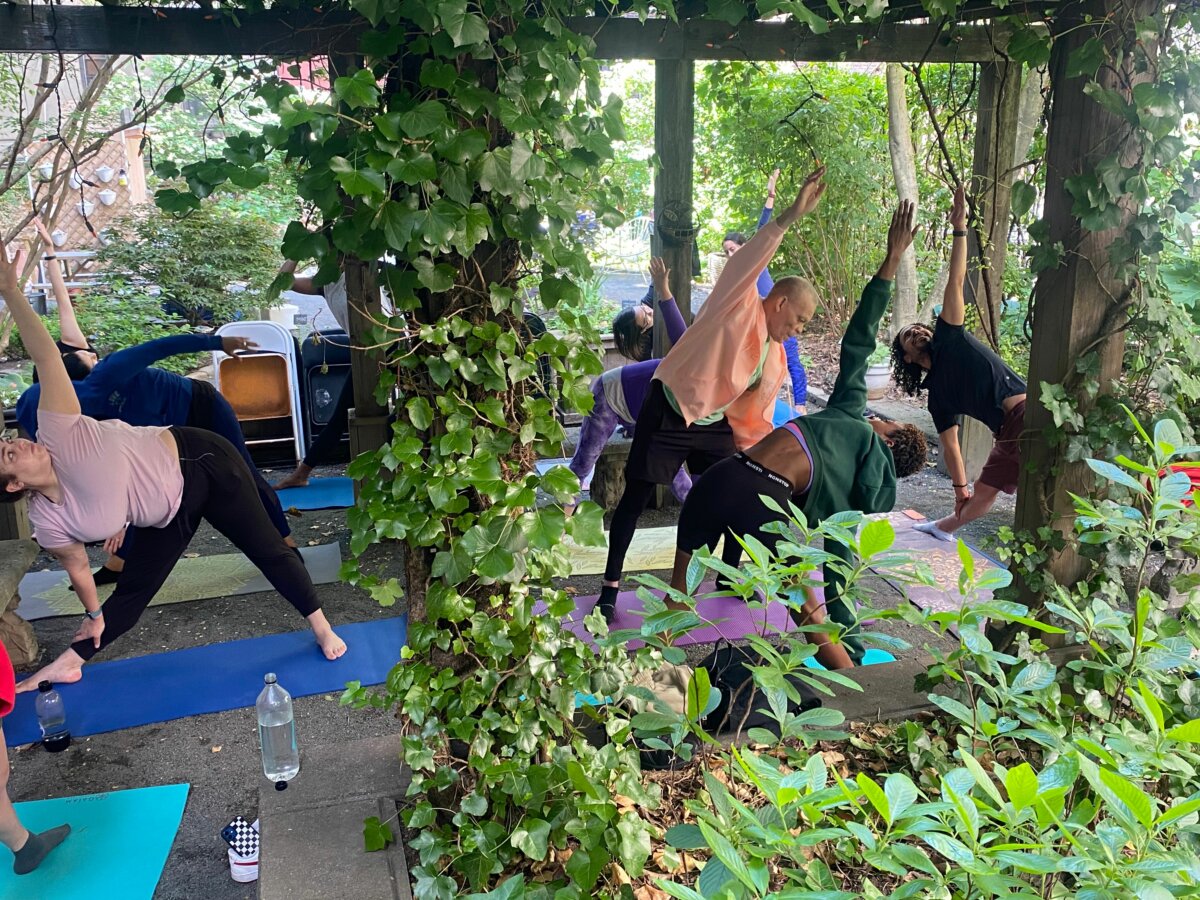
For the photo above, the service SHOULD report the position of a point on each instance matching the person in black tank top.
(963, 378)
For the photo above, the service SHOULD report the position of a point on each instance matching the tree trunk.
(904, 168)
(1079, 303)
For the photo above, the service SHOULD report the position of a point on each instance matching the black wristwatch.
(94, 614)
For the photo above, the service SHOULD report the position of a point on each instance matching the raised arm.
(58, 392)
(769, 204)
(660, 286)
(301, 284)
(743, 268)
(119, 367)
(68, 326)
(850, 390)
(791, 348)
(953, 306)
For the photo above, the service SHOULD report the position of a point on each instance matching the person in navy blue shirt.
(126, 386)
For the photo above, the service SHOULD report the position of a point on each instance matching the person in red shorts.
(963, 378)
(28, 849)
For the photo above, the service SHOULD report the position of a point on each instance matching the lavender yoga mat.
(728, 618)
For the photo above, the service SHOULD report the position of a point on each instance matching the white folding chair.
(263, 387)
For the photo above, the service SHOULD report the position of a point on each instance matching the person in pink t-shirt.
(88, 480)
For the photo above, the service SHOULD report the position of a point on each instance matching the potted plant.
(879, 372)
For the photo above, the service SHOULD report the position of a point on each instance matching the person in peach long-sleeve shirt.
(714, 393)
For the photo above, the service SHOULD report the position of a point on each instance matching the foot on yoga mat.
(46, 594)
(116, 849)
(160, 687)
(37, 847)
(319, 493)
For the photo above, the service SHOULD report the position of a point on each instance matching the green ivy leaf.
(586, 526)
(532, 837)
(398, 223)
(1030, 46)
(585, 867)
(635, 843)
(420, 413)
(376, 834)
(1024, 195)
(464, 27)
(436, 278)
(423, 119)
(175, 94)
(357, 90)
(414, 169)
(1086, 59)
(357, 182)
(686, 837)
(440, 222)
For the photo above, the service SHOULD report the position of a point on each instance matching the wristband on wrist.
(49, 256)
(952, 484)
(94, 614)
(958, 233)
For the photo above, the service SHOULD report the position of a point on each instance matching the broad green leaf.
(685, 837)
(423, 119)
(355, 181)
(900, 792)
(376, 834)
(1135, 799)
(699, 691)
(876, 536)
(1024, 195)
(357, 90)
(463, 27)
(532, 837)
(413, 169)
(727, 855)
(1115, 474)
(1188, 732)
(1035, 676)
(586, 866)
(1022, 785)
(876, 796)
(635, 843)
(954, 850)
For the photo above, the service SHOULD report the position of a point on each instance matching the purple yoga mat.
(726, 618)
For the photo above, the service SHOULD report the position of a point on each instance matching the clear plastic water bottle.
(52, 716)
(277, 733)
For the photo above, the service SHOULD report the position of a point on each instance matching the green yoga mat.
(116, 850)
(46, 594)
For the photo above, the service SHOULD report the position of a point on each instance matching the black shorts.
(726, 500)
(662, 442)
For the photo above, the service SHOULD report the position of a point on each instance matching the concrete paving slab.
(16, 557)
(312, 832)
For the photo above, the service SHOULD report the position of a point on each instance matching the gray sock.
(37, 848)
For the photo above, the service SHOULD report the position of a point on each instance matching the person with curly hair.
(963, 378)
(827, 462)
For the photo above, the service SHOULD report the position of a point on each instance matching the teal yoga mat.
(320, 493)
(116, 850)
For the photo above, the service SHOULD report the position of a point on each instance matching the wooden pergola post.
(674, 230)
(1078, 305)
(987, 240)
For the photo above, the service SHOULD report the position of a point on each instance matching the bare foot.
(298, 478)
(67, 669)
(331, 645)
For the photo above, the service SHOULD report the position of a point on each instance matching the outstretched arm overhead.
(769, 203)
(68, 326)
(953, 306)
(850, 390)
(58, 391)
(660, 286)
(743, 268)
(119, 367)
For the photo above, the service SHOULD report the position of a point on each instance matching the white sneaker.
(244, 869)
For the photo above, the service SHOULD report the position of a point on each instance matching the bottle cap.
(281, 785)
(45, 686)
(269, 678)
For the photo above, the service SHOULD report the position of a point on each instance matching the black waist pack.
(742, 701)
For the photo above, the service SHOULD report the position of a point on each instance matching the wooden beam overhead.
(304, 33)
(788, 42)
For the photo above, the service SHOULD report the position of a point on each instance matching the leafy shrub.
(189, 262)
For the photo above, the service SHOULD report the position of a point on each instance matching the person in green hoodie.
(826, 462)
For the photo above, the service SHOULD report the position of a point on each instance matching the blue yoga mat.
(320, 493)
(164, 686)
(116, 850)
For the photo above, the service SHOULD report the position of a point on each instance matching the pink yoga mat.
(728, 618)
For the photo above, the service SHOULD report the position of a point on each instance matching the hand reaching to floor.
(962, 495)
(660, 278)
(90, 630)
